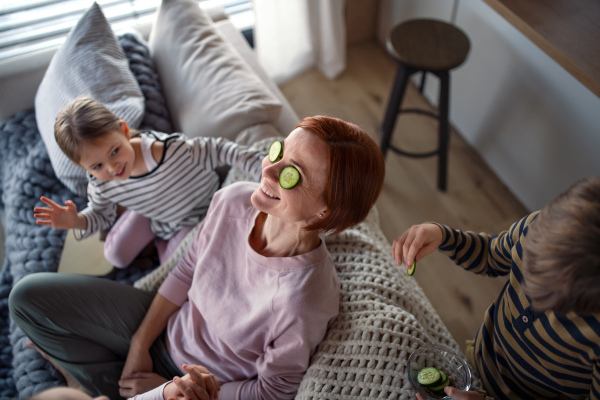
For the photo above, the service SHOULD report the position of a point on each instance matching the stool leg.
(394, 102)
(444, 129)
(422, 85)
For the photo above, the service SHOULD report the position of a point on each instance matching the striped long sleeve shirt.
(521, 353)
(174, 194)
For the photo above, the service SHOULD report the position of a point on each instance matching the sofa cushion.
(90, 62)
(210, 89)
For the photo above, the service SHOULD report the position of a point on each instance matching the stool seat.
(428, 44)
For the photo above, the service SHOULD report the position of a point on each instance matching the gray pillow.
(209, 87)
(91, 62)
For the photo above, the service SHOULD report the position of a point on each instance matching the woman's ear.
(125, 129)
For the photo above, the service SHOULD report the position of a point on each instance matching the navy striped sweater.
(521, 353)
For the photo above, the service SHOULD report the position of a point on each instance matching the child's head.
(81, 122)
(561, 253)
(94, 138)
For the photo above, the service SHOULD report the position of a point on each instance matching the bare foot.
(71, 382)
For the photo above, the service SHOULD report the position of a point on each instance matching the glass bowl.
(440, 357)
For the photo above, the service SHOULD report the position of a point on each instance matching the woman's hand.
(197, 384)
(59, 217)
(138, 360)
(138, 383)
(415, 243)
(459, 394)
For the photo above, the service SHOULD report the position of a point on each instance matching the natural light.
(31, 25)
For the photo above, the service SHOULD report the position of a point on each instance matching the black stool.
(427, 46)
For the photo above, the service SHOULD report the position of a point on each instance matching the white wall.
(535, 125)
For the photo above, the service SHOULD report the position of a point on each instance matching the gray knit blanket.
(25, 175)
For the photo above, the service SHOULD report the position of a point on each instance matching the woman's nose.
(271, 170)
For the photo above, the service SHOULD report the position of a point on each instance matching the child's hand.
(197, 384)
(415, 243)
(57, 216)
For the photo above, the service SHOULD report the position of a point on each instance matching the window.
(30, 25)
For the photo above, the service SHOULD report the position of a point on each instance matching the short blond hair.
(561, 252)
(84, 120)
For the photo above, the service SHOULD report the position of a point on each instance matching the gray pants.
(85, 324)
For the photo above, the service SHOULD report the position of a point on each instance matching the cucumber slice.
(289, 177)
(440, 387)
(275, 151)
(411, 270)
(444, 376)
(429, 376)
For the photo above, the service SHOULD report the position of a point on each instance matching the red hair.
(356, 172)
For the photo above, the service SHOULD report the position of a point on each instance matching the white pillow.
(91, 62)
(209, 87)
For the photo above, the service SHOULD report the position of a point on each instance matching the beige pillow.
(210, 90)
(91, 62)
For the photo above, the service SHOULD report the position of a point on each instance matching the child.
(165, 181)
(541, 337)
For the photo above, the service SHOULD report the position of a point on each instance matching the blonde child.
(166, 181)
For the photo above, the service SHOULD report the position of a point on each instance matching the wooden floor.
(475, 200)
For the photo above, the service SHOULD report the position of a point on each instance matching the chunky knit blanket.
(25, 175)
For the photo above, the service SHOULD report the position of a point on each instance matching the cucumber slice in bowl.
(439, 389)
(289, 177)
(429, 376)
(411, 270)
(276, 151)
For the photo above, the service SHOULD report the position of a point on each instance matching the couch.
(186, 55)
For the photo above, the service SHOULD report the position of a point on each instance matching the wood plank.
(361, 20)
(476, 199)
(566, 30)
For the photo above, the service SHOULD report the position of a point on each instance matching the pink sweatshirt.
(253, 321)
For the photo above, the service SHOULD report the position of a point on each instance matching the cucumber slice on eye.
(289, 177)
(411, 270)
(276, 151)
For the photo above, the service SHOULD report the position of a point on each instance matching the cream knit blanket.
(384, 316)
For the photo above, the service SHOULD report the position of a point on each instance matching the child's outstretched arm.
(59, 217)
(217, 151)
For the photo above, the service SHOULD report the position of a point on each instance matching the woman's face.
(304, 202)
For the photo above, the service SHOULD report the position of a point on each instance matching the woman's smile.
(266, 191)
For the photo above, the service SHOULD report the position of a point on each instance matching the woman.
(251, 299)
